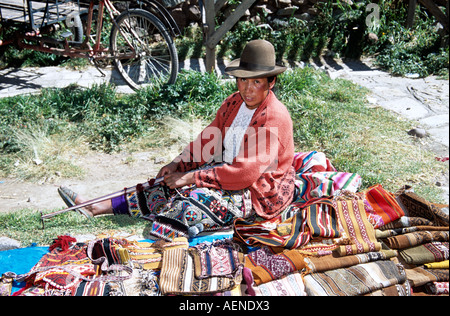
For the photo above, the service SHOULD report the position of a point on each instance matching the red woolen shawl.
(263, 167)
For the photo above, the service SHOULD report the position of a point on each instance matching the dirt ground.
(105, 173)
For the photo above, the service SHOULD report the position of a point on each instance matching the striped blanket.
(360, 279)
(316, 177)
(318, 220)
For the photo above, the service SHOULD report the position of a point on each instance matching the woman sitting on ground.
(240, 164)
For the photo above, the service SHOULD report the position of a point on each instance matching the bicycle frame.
(141, 46)
(84, 50)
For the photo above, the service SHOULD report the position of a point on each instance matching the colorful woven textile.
(393, 290)
(62, 270)
(149, 255)
(408, 221)
(381, 234)
(352, 217)
(218, 259)
(267, 266)
(331, 262)
(426, 253)
(437, 288)
(310, 162)
(317, 220)
(416, 238)
(290, 285)
(316, 177)
(92, 289)
(416, 206)
(385, 208)
(360, 279)
(178, 276)
(419, 276)
(195, 210)
(322, 184)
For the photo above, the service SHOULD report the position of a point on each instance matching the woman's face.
(254, 91)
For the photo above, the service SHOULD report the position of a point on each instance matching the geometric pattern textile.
(354, 221)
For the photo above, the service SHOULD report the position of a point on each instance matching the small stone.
(8, 244)
(418, 132)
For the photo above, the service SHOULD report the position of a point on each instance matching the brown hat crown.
(257, 60)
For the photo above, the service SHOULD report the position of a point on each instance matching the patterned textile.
(290, 285)
(62, 270)
(178, 276)
(316, 177)
(426, 253)
(437, 288)
(419, 276)
(360, 279)
(194, 210)
(322, 184)
(311, 162)
(267, 266)
(416, 238)
(317, 220)
(331, 262)
(416, 206)
(92, 289)
(408, 221)
(352, 217)
(149, 255)
(148, 203)
(381, 234)
(385, 208)
(393, 290)
(218, 259)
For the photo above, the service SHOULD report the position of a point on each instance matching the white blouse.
(235, 133)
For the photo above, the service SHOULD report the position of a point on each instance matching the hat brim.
(234, 69)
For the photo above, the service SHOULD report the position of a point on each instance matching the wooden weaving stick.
(142, 186)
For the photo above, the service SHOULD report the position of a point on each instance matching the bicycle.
(141, 38)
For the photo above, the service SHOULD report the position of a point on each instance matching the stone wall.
(188, 12)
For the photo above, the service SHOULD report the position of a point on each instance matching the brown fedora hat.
(257, 61)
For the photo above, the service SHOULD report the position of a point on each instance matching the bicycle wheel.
(144, 52)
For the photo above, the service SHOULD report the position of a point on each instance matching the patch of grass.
(26, 226)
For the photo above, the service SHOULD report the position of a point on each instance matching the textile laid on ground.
(317, 220)
(382, 206)
(332, 262)
(354, 221)
(178, 275)
(430, 252)
(416, 238)
(356, 280)
(437, 288)
(268, 266)
(290, 285)
(421, 238)
(218, 259)
(316, 177)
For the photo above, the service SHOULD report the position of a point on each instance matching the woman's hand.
(167, 169)
(179, 179)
